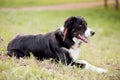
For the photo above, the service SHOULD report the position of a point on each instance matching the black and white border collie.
(60, 45)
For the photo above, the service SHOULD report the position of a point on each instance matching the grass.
(23, 3)
(103, 49)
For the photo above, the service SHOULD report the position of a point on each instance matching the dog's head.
(76, 27)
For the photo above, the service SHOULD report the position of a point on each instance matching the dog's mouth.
(83, 38)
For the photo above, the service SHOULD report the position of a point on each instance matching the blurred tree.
(105, 1)
(116, 4)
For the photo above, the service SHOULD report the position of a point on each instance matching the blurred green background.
(23, 3)
(103, 49)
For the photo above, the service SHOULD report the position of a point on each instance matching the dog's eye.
(80, 25)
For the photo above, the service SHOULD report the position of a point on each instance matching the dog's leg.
(10, 53)
(16, 53)
(84, 64)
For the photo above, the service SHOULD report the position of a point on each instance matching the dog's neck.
(77, 42)
(74, 40)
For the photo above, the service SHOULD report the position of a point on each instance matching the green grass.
(103, 49)
(23, 3)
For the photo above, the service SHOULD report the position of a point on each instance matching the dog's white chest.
(75, 50)
(74, 53)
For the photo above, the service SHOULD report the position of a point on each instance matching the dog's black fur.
(51, 44)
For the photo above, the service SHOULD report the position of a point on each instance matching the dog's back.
(22, 45)
(42, 46)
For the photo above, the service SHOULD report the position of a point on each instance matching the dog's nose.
(92, 33)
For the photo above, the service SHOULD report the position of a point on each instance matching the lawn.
(103, 49)
(23, 3)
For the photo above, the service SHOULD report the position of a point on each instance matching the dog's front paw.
(101, 70)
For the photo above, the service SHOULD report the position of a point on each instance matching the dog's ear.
(69, 22)
(67, 25)
(64, 34)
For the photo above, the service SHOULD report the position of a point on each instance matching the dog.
(60, 45)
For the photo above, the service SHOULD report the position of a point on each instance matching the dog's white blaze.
(88, 32)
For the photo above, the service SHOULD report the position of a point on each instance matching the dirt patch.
(58, 7)
(3, 56)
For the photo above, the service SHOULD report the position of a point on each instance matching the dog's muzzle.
(92, 33)
(84, 37)
(89, 32)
